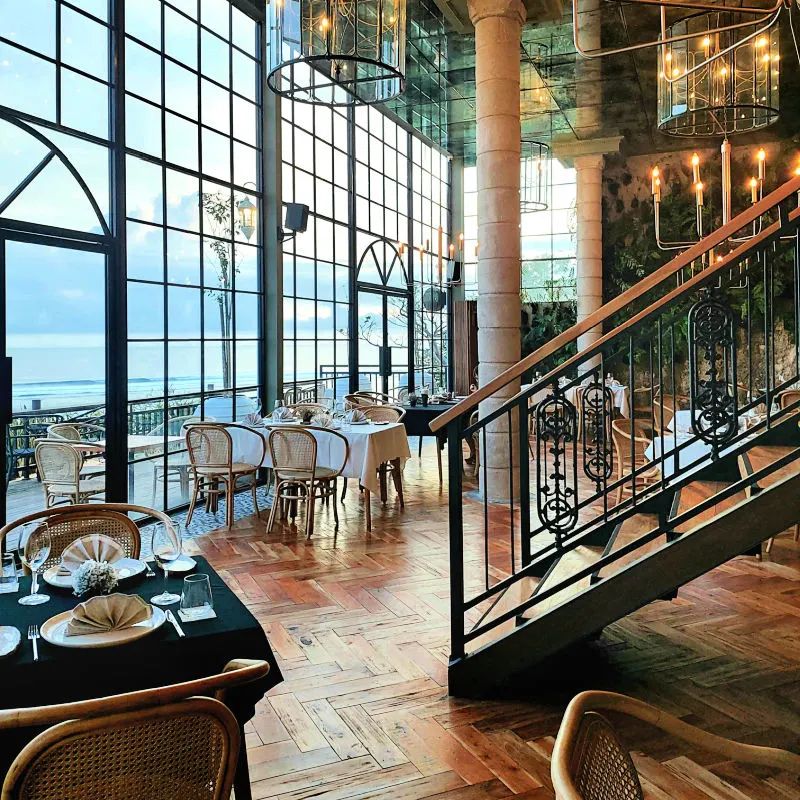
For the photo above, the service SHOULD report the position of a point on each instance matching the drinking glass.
(196, 598)
(166, 551)
(34, 548)
(9, 582)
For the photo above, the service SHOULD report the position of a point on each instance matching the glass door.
(53, 349)
(382, 338)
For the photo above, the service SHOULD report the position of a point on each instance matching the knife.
(178, 629)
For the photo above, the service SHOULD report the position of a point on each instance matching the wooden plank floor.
(360, 624)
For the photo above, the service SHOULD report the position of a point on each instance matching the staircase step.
(760, 456)
(510, 599)
(575, 560)
(630, 530)
(698, 492)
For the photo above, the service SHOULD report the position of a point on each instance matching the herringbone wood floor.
(360, 625)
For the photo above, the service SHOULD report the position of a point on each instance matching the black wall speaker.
(296, 217)
(453, 271)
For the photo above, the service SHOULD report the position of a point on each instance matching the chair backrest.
(600, 767)
(58, 462)
(176, 426)
(66, 524)
(63, 430)
(209, 445)
(402, 394)
(181, 750)
(355, 401)
(293, 450)
(163, 743)
(383, 413)
(315, 408)
(789, 397)
(374, 398)
(622, 430)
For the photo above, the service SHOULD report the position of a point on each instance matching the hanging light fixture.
(719, 76)
(337, 52)
(247, 212)
(534, 194)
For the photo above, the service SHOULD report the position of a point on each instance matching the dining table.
(417, 421)
(619, 393)
(369, 446)
(161, 658)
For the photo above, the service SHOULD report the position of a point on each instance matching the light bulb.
(762, 42)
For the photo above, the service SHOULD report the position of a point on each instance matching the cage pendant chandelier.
(535, 166)
(337, 52)
(720, 76)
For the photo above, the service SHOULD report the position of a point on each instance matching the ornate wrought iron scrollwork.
(597, 411)
(712, 370)
(556, 479)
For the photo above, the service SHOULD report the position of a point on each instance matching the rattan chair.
(61, 467)
(375, 398)
(177, 467)
(68, 523)
(170, 743)
(387, 413)
(474, 444)
(355, 401)
(301, 409)
(213, 470)
(789, 397)
(591, 763)
(622, 431)
(297, 476)
(75, 431)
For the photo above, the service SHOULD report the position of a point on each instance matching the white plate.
(382, 422)
(125, 568)
(183, 564)
(54, 629)
(9, 640)
(361, 422)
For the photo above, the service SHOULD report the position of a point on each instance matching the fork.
(33, 635)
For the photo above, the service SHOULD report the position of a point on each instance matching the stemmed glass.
(166, 551)
(34, 549)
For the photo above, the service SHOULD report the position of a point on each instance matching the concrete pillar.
(498, 25)
(589, 212)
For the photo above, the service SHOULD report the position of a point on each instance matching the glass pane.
(142, 126)
(183, 367)
(84, 104)
(180, 38)
(183, 312)
(145, 252)
(142, 71)
(215, 58)
(20, 71)
(144, 196)
(143, 20)
(183, 258)
(247, 306)
(181, 142)
(31, 24)
(84, 43)
(183, 196)
(181, 89)
(145, 311)
(145, 369)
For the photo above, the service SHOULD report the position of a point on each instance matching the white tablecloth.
(691, 453)
(619, 392)
(370, 446)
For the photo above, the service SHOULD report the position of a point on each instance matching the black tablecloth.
(418, 418)
(63, 675)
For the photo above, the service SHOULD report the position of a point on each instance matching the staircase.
(622, 502)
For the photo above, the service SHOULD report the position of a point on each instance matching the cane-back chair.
(213, 470)
(631, 439)
(591, 763)
(61, 469)
(170, 743)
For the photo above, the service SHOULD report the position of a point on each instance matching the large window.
(316, 274)
(549, 247)
(354, 283)
(194, 291)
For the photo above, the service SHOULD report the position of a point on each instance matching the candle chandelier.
(722, 80)
(337, 52)
(755, 186)
(535, 162)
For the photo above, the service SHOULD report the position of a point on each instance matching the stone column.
(589, 212)
(498, 25)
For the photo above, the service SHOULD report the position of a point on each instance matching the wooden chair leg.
(439, 460)
(193, 501)
(310, 512)
(382, 482)
(334, 492)
(276, 501)
(419, 455)
(255, 496)
(397, 477)
(368, 508)
(797, 532)
(230, 493)
(344, 488)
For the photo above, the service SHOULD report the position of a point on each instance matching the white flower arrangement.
(95, 577)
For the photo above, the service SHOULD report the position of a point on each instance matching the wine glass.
(34, 549)
(166, 548)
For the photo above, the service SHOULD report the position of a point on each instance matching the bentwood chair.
(170, 743)
(75, 431)
(632, 435)
(375, 398)
(177, 466)
(387, 413)
(60, 465)
(66, 524)
(789, 397)
(355, 401)
(590, 762)
(298, 476)
(213, 470)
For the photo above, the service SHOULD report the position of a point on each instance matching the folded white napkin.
(252, 420)
(108, 613)
(95, 547)
(322, 420)
(282, 413)
(355, 416)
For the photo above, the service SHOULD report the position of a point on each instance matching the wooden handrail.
(629, 296)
